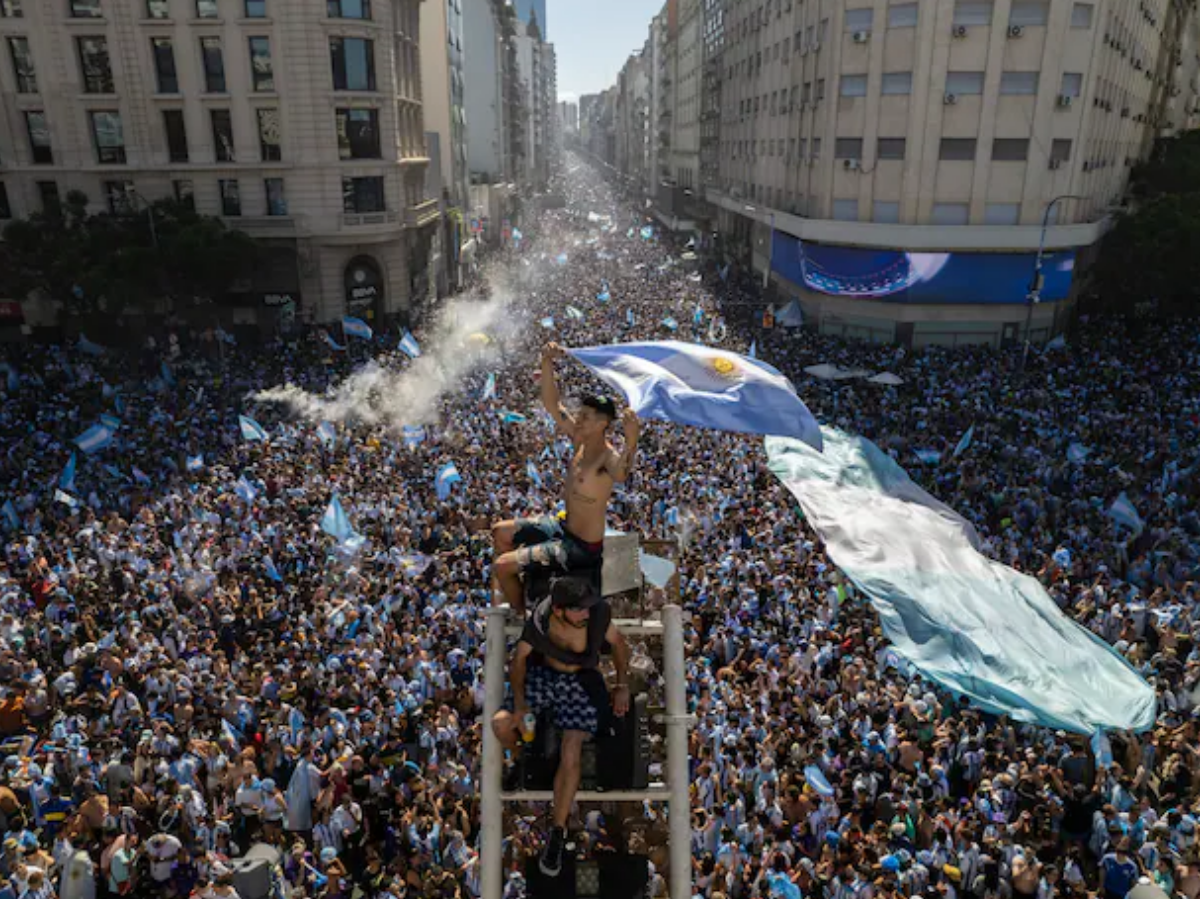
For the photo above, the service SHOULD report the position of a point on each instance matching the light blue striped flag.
(928, 456)
(698, 315)
(409, 345)
(195, 463)
(140, 476)
(561, 259)
(1077, 453)
(512, 418)
(245, 490)
(1123, 513)
(447, 477)
(111, 422)
(548, 322)
(95, 438)
(333, 344)
(647, 232)
(336, 523)
(574, 313)
(92, 349)
(231, 733)
(272, 571)
(11, 518)
(252, 431)
(489, 387)
(327, 432)
(413, 435)
(604, 296)
(964, 442)
(670, 324)
(534, 474)
(66, 499)
(704, 387)
(66, 480)
(356, 327)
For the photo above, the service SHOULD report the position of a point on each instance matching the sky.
(593, 38)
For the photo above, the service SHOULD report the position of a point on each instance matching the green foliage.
(1150, 254)
(118, 262)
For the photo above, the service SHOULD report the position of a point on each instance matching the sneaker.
(551, 861)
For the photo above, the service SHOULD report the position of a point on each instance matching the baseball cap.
(602, 404)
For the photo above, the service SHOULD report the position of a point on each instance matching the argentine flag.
(574, 313)
(534, 474)
(1123, 513)
(66, 499)
(670, 324)
(489, 387)
(447, 477)
(964, 442)
(409, 345)
(629, 319)
(356, 327)
(111, 422)
(333, 344)
(195, 463)
(703, 387)
(413, 435)
(548, 322)
(245, 490)
(251, 430)
(272, 571)
(337, 525)
(66, 480)
(95, 438)
(604, 296)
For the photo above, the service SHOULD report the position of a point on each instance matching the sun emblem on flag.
(725, 368)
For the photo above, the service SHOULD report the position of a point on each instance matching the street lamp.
(1035, 285)
(770, 247)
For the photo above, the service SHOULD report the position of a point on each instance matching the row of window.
(203, 9)
(1004, 149)
(357, 135)
(352, 61)
(359, 195)
(887, 212)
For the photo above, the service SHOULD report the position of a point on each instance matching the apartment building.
(298, 121)
(685, 122)
(538, 86)
(891, 163)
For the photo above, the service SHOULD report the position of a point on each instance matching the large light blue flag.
(335, 522)
(11, 518)
(409, 345)
(251, 430)
(1123, 513)
(816, 779)
(534, 474)
(356, 327)
(66, 480)
(489, 387)
(94, 439)
(447, 477)
(964, 441)
(976, 627)
(703, 387)
(327, 432)
(92, 349)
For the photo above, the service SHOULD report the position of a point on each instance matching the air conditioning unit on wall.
(861, 37)
(950, 99)
(1015, 31)
(959, 31)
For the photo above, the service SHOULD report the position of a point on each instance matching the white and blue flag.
(327, 432)
(337, 524)
(629, 319)
(534, 474)
(251, 430)
(111, 422)
(698, 316)
(548, 322)
(1077, 453)
(1123, 513)
(647, 232)
(66, 480)
(356, 327)
(489, 387)
(964, 442)
(447, 477)
(753, 352)
(333, 344)
(512, 418)
(703, 387)
(409, 345)
(574, 313)
(66, 499)
(604, 296)
(272, 571)
(561, 259)
(413, 435)
(245, 490)
(94, 439)
(195, 463)
(670, 324)
(140, 476)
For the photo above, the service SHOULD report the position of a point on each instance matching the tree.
(118, 261)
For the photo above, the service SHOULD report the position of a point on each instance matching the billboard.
(898, 276)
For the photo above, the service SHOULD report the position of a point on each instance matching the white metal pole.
(492, 837)
(680, 810)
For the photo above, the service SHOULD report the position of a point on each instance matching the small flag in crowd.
(12, 380)
(818, 781)
(92, 349)
(356, 327)
(337, 525)
(928, 456)
(489, 387)
(11, 518)
(647, 232)
(251, 430)
(140, 476)
(512, 418)
(574, 313)
(66, 499)
(670, 324)
(272, 571)
(168, 376)
(753, 353)
(327, 432)
(964, 442)
(95, 438)
(413, 435)
(548, 322)
(66, 480)
(195, 463)
(629, 319)
(1062, 557)
(1058, 343)
(534, 474)
(447, 477)
(245, 490)
(1123, 513)
(409, 345)
(561, 259)
(1077, 453)
(111, 422)
(333, 344)
(604, 296)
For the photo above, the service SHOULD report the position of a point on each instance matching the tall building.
(537, 83)
(529, 10)
(568, 115)
(685, 135)
(297, 121)
(443, 95)
(633, 120)
(891, 165)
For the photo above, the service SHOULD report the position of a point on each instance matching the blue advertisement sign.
(898, 276)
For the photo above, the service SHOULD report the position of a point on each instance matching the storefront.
(365, 289)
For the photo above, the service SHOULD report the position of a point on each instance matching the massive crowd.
(189, 665)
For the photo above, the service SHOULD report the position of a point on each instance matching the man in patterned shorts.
(554, 669)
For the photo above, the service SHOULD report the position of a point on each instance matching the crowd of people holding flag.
(221, 626)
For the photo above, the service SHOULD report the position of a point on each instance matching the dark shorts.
(564, 695)
(544, 544)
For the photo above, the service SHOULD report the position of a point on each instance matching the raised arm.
(622, 463)
(551, 398)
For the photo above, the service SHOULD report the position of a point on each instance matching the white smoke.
(392, 396)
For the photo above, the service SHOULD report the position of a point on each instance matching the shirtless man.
(554, 669)
(576, 545)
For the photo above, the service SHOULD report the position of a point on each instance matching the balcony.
(264, 225)
(369, 219)
(422, 214)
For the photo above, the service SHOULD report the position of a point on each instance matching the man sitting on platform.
(554, 669)
(575, 545)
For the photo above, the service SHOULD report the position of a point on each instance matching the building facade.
(533, 10)
(443, 98)
(299, 122)
(538, 87)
